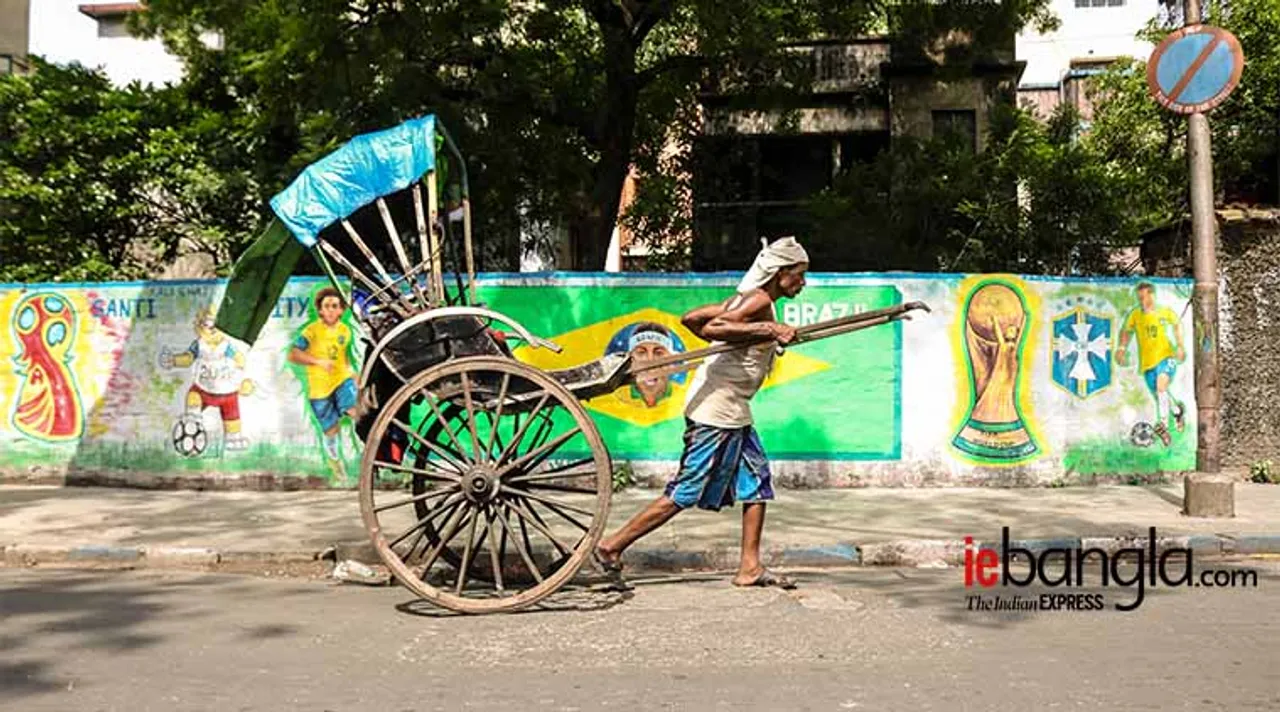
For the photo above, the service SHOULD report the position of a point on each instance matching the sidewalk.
(899, 527)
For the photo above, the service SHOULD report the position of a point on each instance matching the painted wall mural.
(47, 406)
(994, 328)
(1042, 378)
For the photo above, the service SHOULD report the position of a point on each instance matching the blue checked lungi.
(720, 466)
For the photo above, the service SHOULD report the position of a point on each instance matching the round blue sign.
(1195, 69)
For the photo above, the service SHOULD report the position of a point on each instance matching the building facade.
(15, 20)
(96, 35)
(763, 164)
(1093, 34)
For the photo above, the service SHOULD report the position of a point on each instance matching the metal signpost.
(1190, 72)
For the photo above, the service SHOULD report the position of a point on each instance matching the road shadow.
(1174, 498)
(570, 599)
(78, 608)
(48, 615)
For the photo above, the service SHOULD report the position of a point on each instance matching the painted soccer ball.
(189, 437)
(1142, 435)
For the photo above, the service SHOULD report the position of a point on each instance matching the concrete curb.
(919, 553)
(151, 557)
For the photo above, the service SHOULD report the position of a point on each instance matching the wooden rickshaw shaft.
(678, 362)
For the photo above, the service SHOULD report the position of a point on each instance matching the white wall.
(61, 34)
(1085, 32)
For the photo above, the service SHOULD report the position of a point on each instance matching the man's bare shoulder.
(755, 306)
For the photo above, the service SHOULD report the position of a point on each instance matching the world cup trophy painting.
(995, 324)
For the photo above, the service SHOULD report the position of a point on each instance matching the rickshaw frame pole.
(805, 334)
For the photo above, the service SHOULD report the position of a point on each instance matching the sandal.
(612, 571)
(768, 578)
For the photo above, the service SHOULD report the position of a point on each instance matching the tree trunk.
(592, 229)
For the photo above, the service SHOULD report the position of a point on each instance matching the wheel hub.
(480, 484)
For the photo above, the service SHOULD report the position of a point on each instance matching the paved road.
(847, 640)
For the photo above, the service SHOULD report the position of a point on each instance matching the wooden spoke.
(495, 556)
(533, 522)
(556, 508)
(471, 415)
(451, 530)
(527, 485)
(515, 441)
(536, 456)
(438, 450)
(557, 472)
(545, 475)
(525, 494)
(522, 547)
(405, 267)
(545, 427)
(494, 440)
(502, 397)
(417, 498)
(431, 403)
(422, 535)
(425, 521)
(440, 476)
(466, 554)
(368, 254)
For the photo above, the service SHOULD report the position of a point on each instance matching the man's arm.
(698, 318)
(744, 323)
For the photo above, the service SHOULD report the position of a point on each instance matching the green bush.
(1261, 472)
(624, 476)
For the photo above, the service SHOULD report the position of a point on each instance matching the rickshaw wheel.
(511, 484)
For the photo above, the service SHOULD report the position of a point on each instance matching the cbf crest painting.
(1082, 352)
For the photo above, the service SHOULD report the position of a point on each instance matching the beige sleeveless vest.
(722, 388)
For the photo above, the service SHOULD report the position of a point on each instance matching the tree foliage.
(1056, 197)
(1037, 200)
(104, 183)
(552, 101)
(1149, 143)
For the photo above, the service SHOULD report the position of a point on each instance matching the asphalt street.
(857, 639)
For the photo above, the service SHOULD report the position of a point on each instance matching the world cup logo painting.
(995, 323)
(48, 406)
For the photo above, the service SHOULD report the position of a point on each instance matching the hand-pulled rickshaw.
(484, 483)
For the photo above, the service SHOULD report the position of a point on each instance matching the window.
(957, 125)
(113, 26)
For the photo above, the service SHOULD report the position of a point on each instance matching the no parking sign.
(1195, 69)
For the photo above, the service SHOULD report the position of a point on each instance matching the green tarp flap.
(257, 281)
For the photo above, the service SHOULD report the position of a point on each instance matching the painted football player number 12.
(1195, 68)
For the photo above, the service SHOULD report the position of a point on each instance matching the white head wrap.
(783, 253)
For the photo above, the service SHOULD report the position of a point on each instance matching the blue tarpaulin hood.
(366, 168)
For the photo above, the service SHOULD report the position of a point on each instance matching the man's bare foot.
(763, 578)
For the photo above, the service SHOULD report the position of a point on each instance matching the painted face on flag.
(646, 341)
